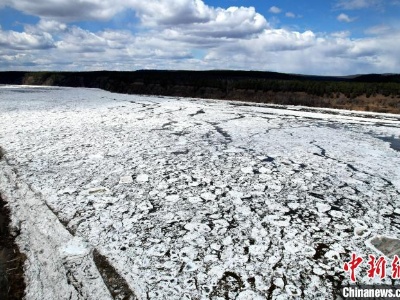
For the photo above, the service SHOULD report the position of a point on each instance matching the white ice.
(249, 201)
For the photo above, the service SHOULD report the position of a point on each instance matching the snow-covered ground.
(194, 199)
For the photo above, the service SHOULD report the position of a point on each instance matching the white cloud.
(192, 15)
(197, 17)
(51, 26)
(290, 15)
(272, 49)
(376, 30)
(357, 4)
(188, 34)
(275, 10)
(233, 22)
(344, 18)
(284, 51)
(69, 10)
(150, 13)
(341, 34)
(25, 41)
(173, 12)
(82, 41)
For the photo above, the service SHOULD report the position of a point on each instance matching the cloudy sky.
(326, 37)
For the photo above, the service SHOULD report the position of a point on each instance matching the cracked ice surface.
(204, 199)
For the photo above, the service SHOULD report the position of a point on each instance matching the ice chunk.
(293, 247)
(198, 227)
(293, 205)
(387, 245)
(361, 231)
(142, 178)
(145, 205)
(126, 179)
(308, 251)
(322, 207)
(96, 190)
(227, 241)
(190, 267)
(276, 220)
(68, 190)
(258, 249)
(293, 290)
(279, 283)
(195, 200)
(336, 213)
(318, 271)
(207, 196)
(332, 255)
(75, 248)
(171, 199)
(247, 170)
(215, 246)
(157, 250)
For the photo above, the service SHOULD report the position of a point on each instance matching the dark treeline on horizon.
(375, 92)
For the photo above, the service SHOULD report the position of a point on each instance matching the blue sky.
(333, 37)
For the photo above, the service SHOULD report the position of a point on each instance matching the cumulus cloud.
(233, 22)
(150, 12)
(344, 18)
(275, 10)
(25, 41)
(82, 41)
(68, 10)
(187, 34)
(308, 53)
(173, 12)
(272, 49)
(51, 26)
(194, 15)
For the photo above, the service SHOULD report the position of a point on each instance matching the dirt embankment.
(12, 285)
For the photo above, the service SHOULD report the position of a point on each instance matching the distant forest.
(373, 92)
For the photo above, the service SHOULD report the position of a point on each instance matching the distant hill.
(374, 92)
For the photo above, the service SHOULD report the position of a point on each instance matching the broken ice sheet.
(388, 246)
(252, 202)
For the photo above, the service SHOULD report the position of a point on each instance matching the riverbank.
(372, 92)
(12, 285)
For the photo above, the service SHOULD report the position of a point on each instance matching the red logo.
(352, 265)
(377, 266)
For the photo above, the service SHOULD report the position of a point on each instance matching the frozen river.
(165, 198)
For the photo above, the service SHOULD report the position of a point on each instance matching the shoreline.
(370, 92)
(12, 283)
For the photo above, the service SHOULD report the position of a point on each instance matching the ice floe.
(194, 199)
